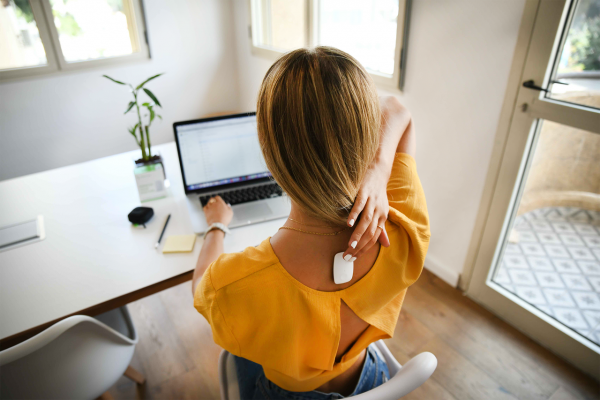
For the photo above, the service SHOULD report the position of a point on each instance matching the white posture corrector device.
(342, 269)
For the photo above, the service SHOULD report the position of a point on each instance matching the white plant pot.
(150, 180)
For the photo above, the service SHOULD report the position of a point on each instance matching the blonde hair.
(318, 122)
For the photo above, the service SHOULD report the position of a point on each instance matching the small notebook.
(179, 244)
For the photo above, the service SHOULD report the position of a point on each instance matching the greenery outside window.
(373, 31)
(46, 36)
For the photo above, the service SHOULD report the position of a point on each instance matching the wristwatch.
(217, 225)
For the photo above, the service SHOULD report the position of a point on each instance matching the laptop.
(222, 156)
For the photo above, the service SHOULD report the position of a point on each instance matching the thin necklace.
(302, 223)
(312, 233)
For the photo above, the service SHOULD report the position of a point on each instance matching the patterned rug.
(552, 261)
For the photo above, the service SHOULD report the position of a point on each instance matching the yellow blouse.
(258, 311)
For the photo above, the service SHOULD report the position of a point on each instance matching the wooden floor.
(479, 356)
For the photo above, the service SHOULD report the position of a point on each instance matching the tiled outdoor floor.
(552, 261)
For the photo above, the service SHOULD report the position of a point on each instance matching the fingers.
(362, 233)
(383, 237)
(370, 243)
(368, 240)
(214, 201)
(366, 218)
(216, 210)
(375, 231)
(217, 199)
(358, 207)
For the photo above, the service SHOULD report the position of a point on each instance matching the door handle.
(530, 84)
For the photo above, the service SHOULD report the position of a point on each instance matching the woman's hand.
(373, 207)
(371, 202)
(216, 210)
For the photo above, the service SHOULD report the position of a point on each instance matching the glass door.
(538, 263)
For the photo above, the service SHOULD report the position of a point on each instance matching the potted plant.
(143, 140)
(149, 170)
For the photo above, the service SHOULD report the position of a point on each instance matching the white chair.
(77, 358)
(403, 379)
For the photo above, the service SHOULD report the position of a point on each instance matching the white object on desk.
(93, 255)
(22, 233)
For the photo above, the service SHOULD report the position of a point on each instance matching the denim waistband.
(255, 385)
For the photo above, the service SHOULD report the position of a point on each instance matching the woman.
(345, 159)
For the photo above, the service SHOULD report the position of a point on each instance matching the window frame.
(56, 64)
(393, 82)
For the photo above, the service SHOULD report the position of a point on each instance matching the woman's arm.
(395, 121)
(215, 211)
(397, 135)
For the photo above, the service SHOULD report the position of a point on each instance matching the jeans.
(254, 385)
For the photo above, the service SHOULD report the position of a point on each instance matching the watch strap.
(217, 225)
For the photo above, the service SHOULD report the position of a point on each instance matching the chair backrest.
(403, 379)
(228, 382)
(77, 358)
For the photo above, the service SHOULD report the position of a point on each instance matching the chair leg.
(134, 375)
(105, 396)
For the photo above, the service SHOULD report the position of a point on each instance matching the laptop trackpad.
(251, 212)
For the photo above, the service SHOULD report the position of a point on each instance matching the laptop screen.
(220, 152)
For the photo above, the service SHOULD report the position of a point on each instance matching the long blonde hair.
(318, 122)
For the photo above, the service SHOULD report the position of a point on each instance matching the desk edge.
(97, 309)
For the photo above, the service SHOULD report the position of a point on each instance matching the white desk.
(92, 259)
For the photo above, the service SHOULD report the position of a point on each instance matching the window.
(576, 78)
(373, 31)
(45, 36)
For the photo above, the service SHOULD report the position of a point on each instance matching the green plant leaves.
(132, 131)
(150, 108)
(114, 80)
(147, 80)
(152, 96)
(129, 107)
(140, 140)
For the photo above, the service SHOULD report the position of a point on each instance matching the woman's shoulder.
(406, 197)
(232, 267)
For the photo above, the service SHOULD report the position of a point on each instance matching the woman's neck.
(300, 217)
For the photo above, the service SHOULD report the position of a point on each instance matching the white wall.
(460, 54)
(64, 119)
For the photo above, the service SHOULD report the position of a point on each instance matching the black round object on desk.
(140, 215)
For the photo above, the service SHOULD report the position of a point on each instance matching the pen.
(163, 232)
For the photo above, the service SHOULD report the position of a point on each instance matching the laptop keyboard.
(245, 195)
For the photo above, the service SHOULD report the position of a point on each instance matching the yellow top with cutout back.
(258, 311)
